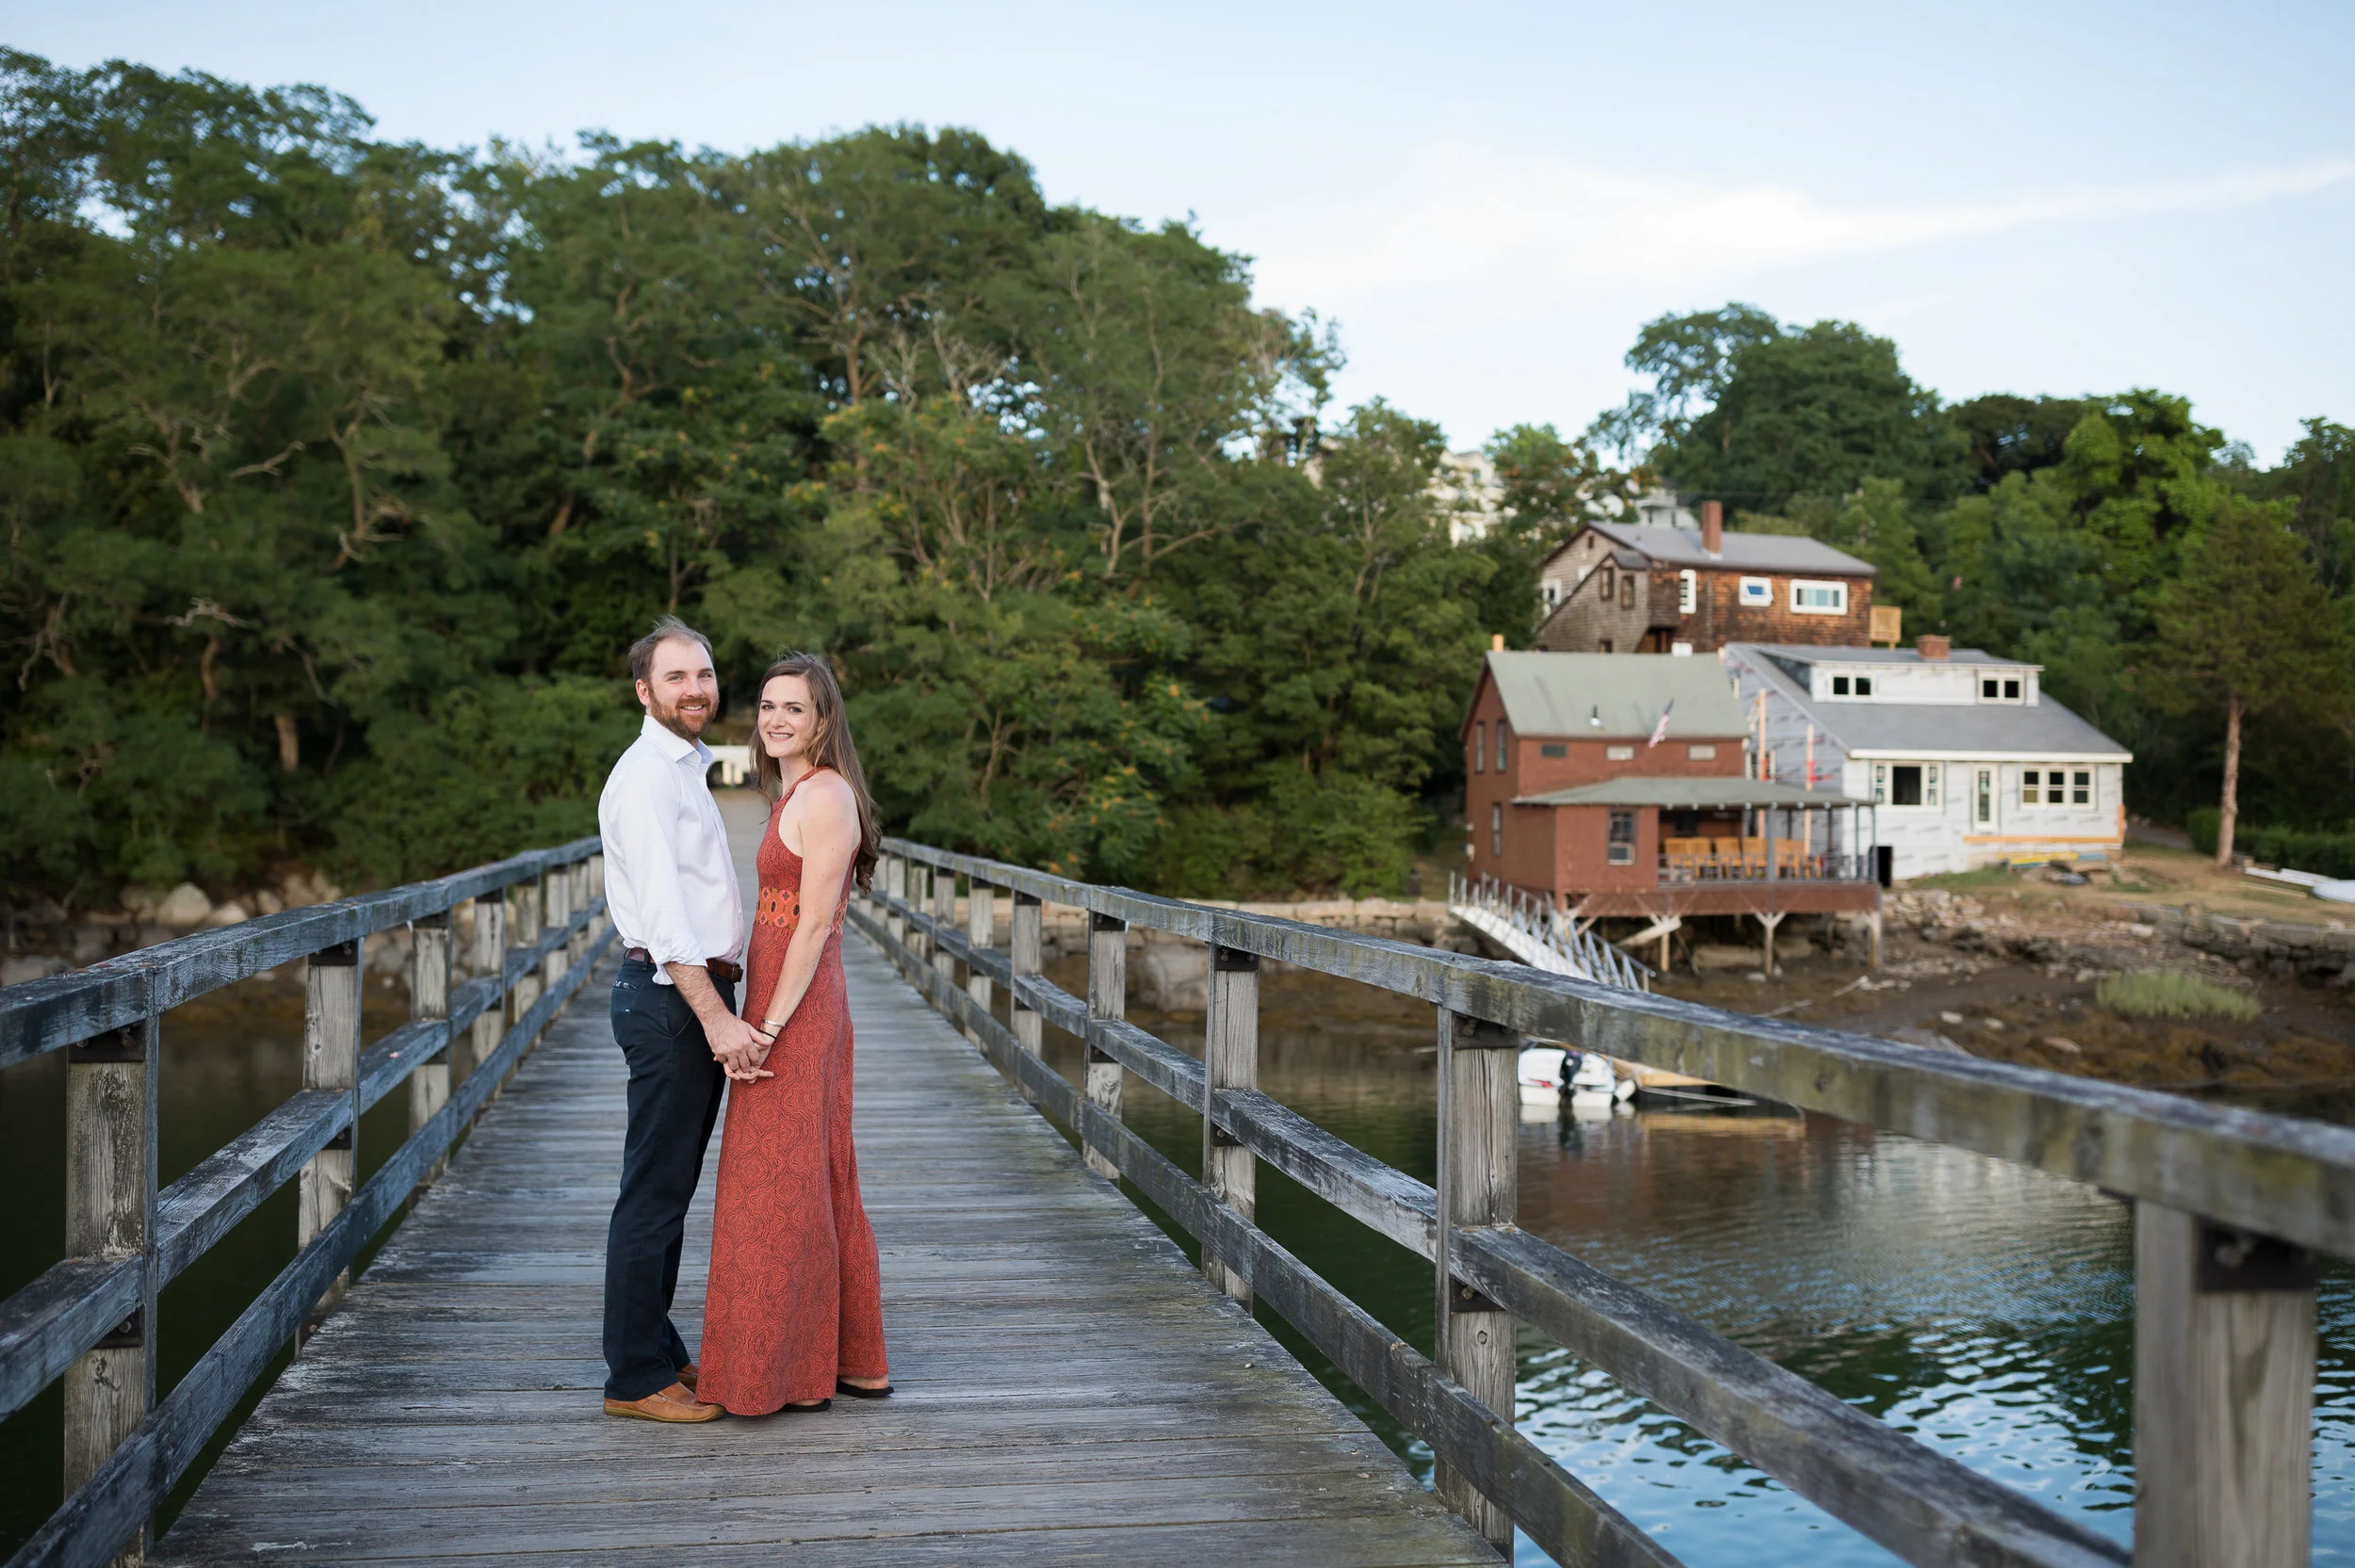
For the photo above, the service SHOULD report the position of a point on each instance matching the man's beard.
(685, 726)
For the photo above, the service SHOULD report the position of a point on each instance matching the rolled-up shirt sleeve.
(637, 820)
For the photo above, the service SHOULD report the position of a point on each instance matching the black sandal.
(806, 1410)
(842, 1385)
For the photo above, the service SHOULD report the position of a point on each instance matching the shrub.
(2170, 993)
(2325, 852)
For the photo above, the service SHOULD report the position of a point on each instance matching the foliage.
(2323, 851)
(2172, 993)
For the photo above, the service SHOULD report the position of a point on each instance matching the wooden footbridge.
(1071, 1389)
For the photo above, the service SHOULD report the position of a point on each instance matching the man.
(671, 891)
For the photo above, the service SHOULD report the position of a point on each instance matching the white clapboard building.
(1968, 762)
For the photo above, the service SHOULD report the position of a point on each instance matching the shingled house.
(1619, 786)
(1622, 587)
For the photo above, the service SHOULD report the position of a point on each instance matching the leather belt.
(721, 969)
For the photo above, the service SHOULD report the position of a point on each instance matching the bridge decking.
(1070, 1389)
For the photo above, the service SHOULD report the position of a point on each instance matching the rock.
(1712, 955)
(1950, 1018)
(139, 902)
(1172, 978)
(1991, 1023)
(17, 968)
(92, 942)
(266, 902)
(387, 953)
(184, 906)
(230, 913)
(1754, 977)
(2057, 1044)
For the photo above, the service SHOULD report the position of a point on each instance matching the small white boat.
(1544, 1073)
(1550, 1074)
(1593, 1079)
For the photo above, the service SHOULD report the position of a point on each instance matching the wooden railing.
(92, 1318)
(2230, 1204)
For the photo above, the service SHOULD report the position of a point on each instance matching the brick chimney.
(1714, 526)
(1933, 647)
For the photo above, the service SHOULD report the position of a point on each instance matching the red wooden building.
(1617, 784)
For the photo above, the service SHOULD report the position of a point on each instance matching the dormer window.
(1852, 686)
(1999, 689)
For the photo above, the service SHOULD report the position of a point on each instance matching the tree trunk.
(2231, 805)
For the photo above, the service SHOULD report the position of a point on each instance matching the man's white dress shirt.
(669, 881)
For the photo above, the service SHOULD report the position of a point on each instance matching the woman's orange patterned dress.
(795, 1297)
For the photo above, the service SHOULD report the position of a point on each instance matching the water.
(1984, 1309)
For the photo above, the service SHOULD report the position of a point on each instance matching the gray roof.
(1564, 694)
(2020, 730)
(1808, 654)
(1743, 552)
(1685, 793)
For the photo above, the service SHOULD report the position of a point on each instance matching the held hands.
(739, 1047)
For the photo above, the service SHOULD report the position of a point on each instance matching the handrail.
(2276, 1177)
(1586, 955)
(100, 1305)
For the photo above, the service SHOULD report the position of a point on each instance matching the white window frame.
(1932, 793)
(1480, 746)
(1688, 592)
(1701, 754)
(1619, 754)
(1997, 678)
(2067, 787)
(1616, 851)
(1496, 830)
(1840, 686)
(1802, 586)
(1986, 789)
(1757, 593)
(1864, 686)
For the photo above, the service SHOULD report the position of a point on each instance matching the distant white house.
(1467, 491)
(1967, 761)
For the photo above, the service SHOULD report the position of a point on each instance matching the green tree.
(1551, 485)
(2249, 627)
(1691, 359)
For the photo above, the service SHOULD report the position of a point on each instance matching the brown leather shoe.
(673, 1403)
(687, 1376)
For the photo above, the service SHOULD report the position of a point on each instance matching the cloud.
(1466, 211)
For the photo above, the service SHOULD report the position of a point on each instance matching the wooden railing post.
(110, 1103)
(523, 924)
(1108, 998)
(1479, 1122)
(1230, 1060)
(2224, 1394)
(577, 899)
(919, 899)
(490, 958)
(558, 909)
(429, 998)
(330, 1060)
(895, 885)
(981, 932)
(944, 918)
(1027, 950)
(596, 891)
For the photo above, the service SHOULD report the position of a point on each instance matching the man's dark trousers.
(675, 1089)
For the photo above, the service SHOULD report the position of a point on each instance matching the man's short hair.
(669, 628)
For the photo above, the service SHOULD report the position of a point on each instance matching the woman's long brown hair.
(829, 746)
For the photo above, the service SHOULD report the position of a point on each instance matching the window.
(1809, 598)
(1553, 593)
(1904, 784)
(1480, 747)
(1688, 592)
(1553, 748)
(1983, 797)
(1609, 583)
(1496, 829)
(1758, 593)
(1626, 590)
(1701, 753)
(1999, 689)
(1500, 745)
(1840, 686)
(1864, 686)
(1603, 646)
(2055, 787)
(1619, 754)
(1621, 848)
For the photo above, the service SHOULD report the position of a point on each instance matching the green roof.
(1616, 695)
(1680, 794)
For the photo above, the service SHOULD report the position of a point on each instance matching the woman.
(793, 1313)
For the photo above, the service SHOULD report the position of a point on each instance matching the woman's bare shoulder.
(825, 793)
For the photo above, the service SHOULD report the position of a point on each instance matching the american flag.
(1660, 731)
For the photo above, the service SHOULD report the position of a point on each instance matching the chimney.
(1713, 527)
(1496, 642)
(1933, 647)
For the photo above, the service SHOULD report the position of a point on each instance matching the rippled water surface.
(1984, 1309)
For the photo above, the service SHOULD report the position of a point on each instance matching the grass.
(2168, 993)
(1981, 881)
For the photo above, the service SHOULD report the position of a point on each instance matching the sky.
(1491, 199)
